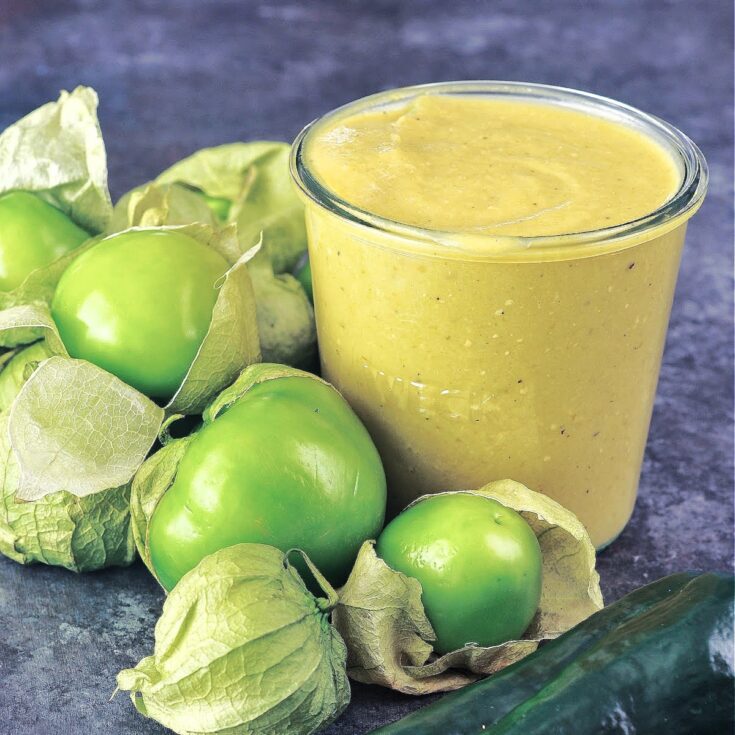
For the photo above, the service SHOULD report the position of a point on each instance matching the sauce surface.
(501, 167)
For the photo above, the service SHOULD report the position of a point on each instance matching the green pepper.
(658, 661)
(139, 305)
(478, 562)
(287, 464)
(33, 234)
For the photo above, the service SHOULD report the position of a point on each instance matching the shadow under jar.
(500, 348)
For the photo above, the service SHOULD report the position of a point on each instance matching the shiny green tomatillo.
(139, 305)
(478, 562)
(289, 465)
(33, 234)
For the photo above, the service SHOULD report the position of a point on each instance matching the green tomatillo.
(285, 463)
(61, 529)
(13, 374)
(478, 562)
(33, 234)
(303, 276)
(249, 184)
(243, 648)
(460, 568)
(219, 205)
(139, 305)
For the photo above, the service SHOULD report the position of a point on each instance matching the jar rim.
(681, 205)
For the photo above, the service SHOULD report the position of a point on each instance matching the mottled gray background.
(177, 76)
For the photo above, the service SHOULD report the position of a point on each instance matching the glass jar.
(472, 358)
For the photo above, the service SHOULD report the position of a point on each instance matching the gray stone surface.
(174, 77)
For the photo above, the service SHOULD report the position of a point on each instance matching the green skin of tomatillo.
(33, 234)
(289, 465)
(303, 276)
(139, 305)
(13, 375)
(478, 562)
(219, 206)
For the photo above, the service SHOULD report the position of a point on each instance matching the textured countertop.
(174, 77)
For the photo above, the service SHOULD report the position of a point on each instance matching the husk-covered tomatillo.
(139, 305)
(78, 426)
(33, 234)
(243, 647)
(246, 185)
(80, 534)
(53, 194)
(281, 459)
(478, 562)
(381, 613)
(249, 184)
(285, 316)
(53, 199)
(178, 322)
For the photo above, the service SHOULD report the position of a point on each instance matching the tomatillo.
(139, 305)
(478, 562)
(219, 206)
(303, 276)
(33, 234)
(288, 465)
